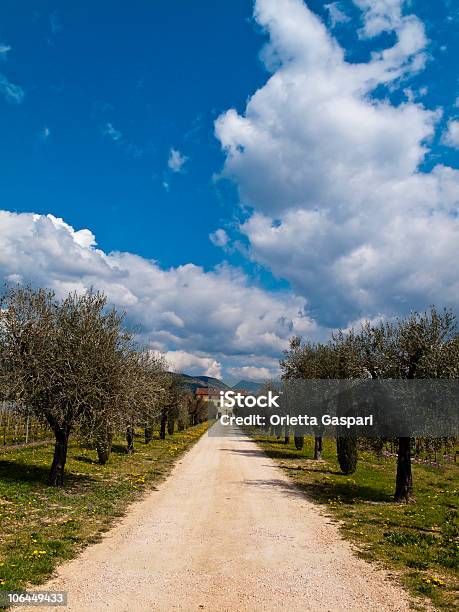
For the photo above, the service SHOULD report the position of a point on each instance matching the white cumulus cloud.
(251, 372)
(380, 15)
(181, 361)
(451, 136)
(217, 314)
(341, 207)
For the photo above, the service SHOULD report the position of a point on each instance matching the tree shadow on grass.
(85, 459)
(119, 449)
(323, 492)
(320, 469)
(320, 492)
(12, 472)
(301, 468)
(279, 454)
(279, 442)
(274, 454)
(347, 493)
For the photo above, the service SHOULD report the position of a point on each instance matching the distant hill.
(248, 385)
(191, 383)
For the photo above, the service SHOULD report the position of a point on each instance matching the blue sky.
(159, 73)
(116, 117)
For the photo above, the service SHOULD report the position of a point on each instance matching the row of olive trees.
(421, 346)
(71, 364)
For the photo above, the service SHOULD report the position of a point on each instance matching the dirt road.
(226, 532)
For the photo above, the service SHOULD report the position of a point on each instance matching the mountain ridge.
(248, 385)
(191, 383)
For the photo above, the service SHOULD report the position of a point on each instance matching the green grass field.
(419, 540)
(41, 526)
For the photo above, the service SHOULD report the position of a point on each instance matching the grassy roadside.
(42, 526)
(418, 540)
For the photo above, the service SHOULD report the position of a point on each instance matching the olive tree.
(197, 409)
(145, 393)
(170, 400)
(130, 377)
(332, 360)
(345, 364)
(64, 361)
(425, 347)
(299, 362)
(422, 345)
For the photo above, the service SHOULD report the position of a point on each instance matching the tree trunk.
(379, 446)
(56, 475)
(404, 482)
(170, 426)
(318, 447)
(299, 442)
(162, 430)
(148, 434)
(104, 445)
(346, 448)
(103, 453)
(130, 440)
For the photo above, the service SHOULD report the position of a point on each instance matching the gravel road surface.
(226, 531)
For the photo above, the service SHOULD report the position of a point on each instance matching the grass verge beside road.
(41, 526)
(418, 540)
